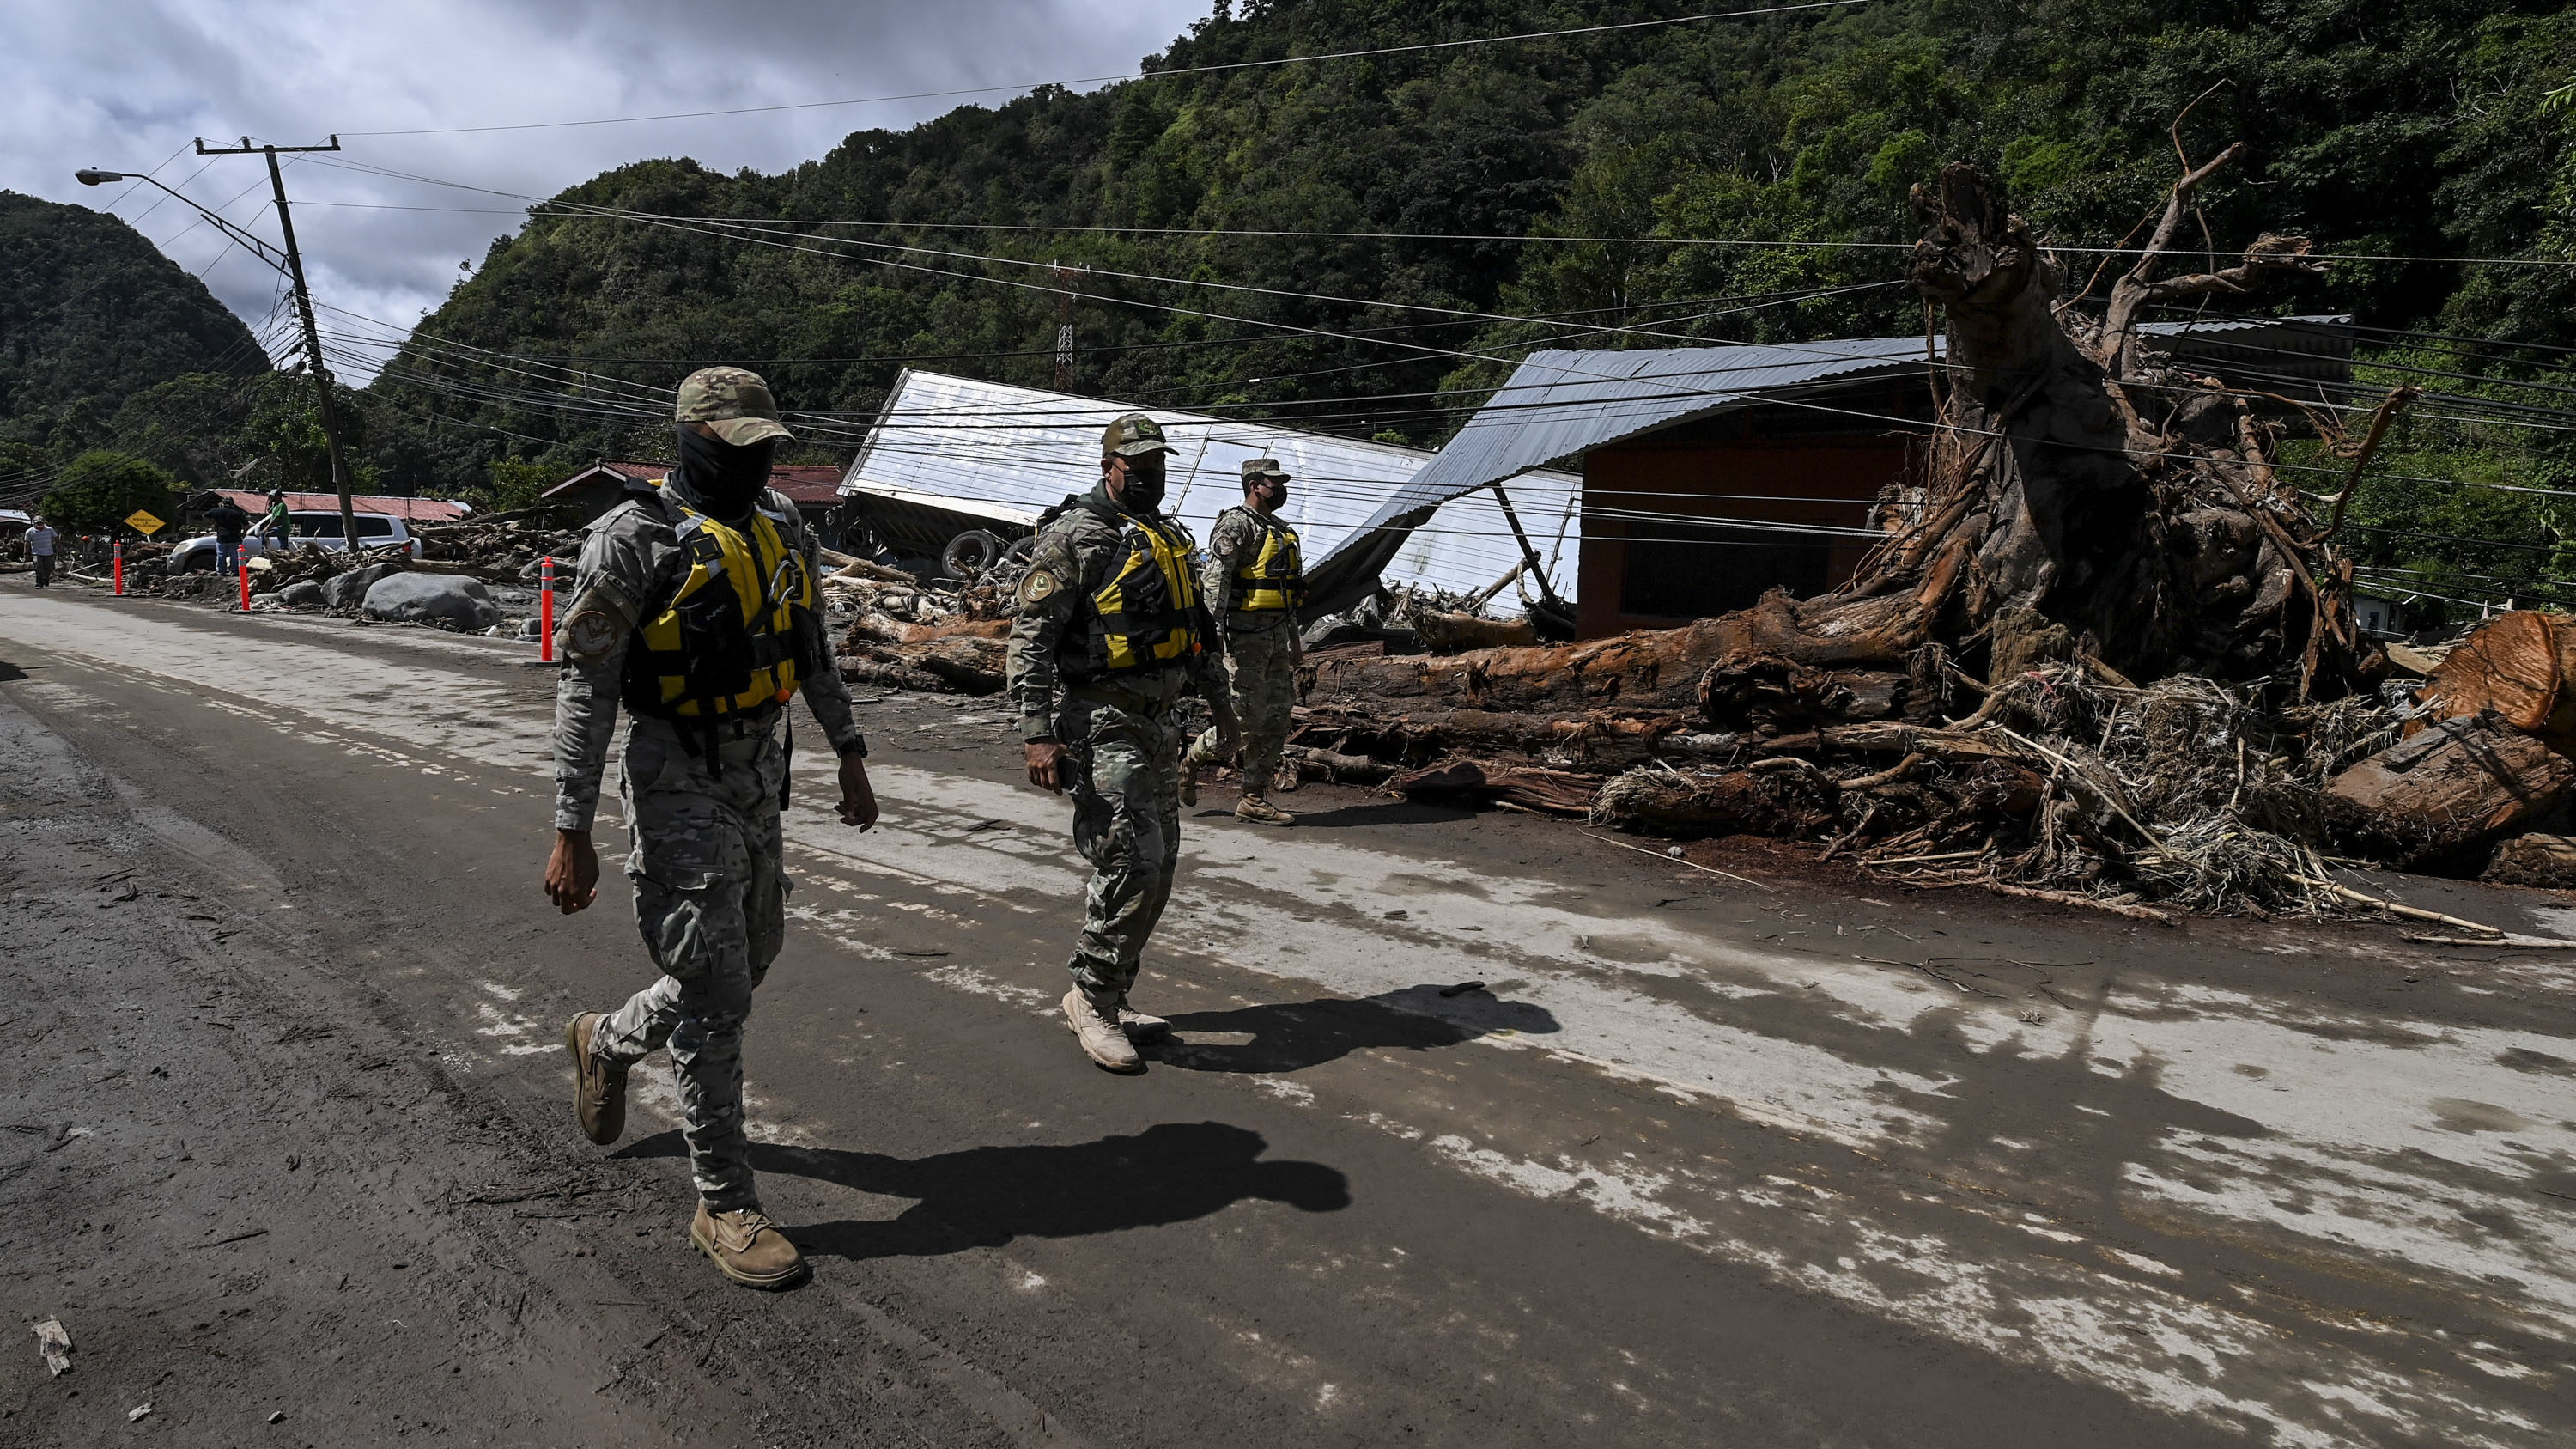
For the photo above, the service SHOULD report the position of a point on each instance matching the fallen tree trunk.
(2515, 667)
(1553, 792)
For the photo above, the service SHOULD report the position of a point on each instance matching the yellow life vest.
(1145, 614)
(726, 642)
(1274, 576)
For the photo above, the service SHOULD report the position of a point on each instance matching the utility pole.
(1064, 329)
(312, 334)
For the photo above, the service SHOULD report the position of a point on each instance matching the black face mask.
(719, 479)
(1144, 494)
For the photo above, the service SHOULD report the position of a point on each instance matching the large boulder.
(346, 591)
(457, 603)
(302, 594)
(2444, 797)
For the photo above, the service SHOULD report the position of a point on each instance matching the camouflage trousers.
(710, 900)
(1260, 666)
(1123, 769)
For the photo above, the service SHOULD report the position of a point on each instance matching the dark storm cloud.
(125, 84)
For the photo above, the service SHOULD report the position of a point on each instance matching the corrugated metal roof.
(1023, 449)
(807, 485)
(1561, 403)
(414, 510)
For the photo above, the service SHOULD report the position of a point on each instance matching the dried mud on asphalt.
(247, 1192)
(1806, 1161)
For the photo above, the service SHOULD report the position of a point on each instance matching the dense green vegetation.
(1738, 179)
(101, 488)
(90, 314)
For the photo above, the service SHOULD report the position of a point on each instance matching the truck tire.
(969, 554)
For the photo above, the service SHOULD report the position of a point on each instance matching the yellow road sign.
(144, 523)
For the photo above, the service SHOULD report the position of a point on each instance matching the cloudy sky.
(126, 84)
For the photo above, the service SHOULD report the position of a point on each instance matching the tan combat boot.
(748, 1248)
(1191, 759)
(1262, 812)
(598, 1087)
(1140, 1027)
(1098, 1032)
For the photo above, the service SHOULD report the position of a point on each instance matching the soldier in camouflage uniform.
(656, 622)
(1254, 581)
(1108, 639)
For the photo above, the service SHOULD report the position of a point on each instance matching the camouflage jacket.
(630, 563)
(1050, 634)
(1238, 533)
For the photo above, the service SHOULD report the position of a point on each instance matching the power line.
(1168, 73)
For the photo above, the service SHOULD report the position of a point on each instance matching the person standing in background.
(229, 523)
(277, 530)
(40, 547)
(1255, 580)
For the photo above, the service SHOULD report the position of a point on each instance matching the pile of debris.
(942, 636)
(505, 547)
(1967, 707)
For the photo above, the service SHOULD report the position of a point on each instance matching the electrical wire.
(1166, 73)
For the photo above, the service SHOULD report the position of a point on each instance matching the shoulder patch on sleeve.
(590, 634)
(1036, 587)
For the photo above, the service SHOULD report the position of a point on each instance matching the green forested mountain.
(90, 314)
(1578, 182)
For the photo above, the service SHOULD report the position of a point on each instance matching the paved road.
(1699, 1162)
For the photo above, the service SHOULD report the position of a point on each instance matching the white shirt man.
(40, 547)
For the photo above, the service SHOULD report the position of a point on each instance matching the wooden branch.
(1485, 595)
(2395, 909)
(2270, 256)
(2128, 295)
(2069, 898)
(2389, 407)
(1890, 775)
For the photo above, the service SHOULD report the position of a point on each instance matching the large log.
(1554, 792)
(2442, 798)
(2516, 667)
(2545, 861)
(1787, 803)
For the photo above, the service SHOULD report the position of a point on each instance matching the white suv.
(318, 528)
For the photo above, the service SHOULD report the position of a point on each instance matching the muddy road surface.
(1786, 1160)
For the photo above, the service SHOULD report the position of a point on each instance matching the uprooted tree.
(2080, 498)
(2087, 515)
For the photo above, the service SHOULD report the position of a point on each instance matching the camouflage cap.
(1265, 468)
(732, 401)
(1133, 436)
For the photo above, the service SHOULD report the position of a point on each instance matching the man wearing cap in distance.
(1254, 580)
(1108, 638)
(695, 606)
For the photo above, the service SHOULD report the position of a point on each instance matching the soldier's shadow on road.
(985, 1197)
(1291, 1036)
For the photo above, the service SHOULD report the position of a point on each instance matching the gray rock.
(304, 595)
(346, 590)
(458, 603)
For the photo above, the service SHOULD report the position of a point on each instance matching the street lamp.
(266, 253)
(290, 262)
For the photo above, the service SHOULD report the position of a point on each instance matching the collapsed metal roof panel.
(1013, 451)
(1560, 403)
